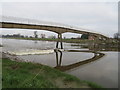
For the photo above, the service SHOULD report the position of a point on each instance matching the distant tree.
(52, 37)
(26, 36)
(43, 35)
(84, 36)
(16, 35)
(78, 37)
(22, 36)
(30, 37)
(72, 37)
(35, 34)
(117, 35)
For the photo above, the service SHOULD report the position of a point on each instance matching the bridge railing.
(38, 22)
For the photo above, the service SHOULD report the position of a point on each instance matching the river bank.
(18, 74)
(101, 71)
(110, 41)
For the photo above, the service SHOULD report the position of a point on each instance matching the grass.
(31, 75)
(0, 73)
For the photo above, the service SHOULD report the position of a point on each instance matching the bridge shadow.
(59, 54)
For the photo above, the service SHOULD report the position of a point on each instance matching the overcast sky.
(97, 16)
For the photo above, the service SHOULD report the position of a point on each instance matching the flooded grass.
(30, 75)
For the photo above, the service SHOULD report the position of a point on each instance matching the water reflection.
(103, 71)
(59, 65)
(58, 59)
(35, 42)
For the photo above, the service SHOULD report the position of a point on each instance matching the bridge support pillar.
(59, 41)
(58, 59)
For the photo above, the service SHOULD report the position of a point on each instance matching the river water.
(104, 71)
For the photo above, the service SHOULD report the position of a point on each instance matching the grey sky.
(98, 16)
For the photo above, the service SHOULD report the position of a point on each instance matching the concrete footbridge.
(23, 23)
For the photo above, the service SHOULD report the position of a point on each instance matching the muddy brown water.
(103, 71)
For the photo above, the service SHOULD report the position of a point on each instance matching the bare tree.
(35, 34)
(117, 35)
(43, 36)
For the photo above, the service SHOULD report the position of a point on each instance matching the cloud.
(100, 16)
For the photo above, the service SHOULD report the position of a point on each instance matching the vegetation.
(35, 34)
(0, 73)
(31, 75)
(84, 36)
(110, 41)
(1, 45)
(117, 35)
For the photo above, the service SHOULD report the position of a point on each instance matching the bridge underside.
(56, 29)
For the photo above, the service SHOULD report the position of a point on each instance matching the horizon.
(97, 16)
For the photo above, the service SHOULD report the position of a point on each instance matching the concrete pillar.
(58, 59)
(60, 40)
(57, 44)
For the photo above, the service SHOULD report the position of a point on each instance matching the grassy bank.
(0, 73)
(31, 75)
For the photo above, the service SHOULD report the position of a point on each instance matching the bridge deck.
(55, 29)
(21, 23)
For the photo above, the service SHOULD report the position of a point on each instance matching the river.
(103, 71)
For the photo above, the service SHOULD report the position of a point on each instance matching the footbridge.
(23, 23)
